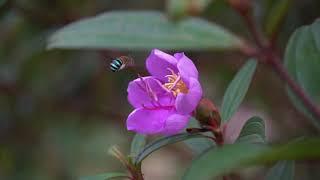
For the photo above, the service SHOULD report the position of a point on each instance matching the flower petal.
(159, 62)
(175, 123)
(139, 97)
(186, 67)
(145, 121)
(186, 103)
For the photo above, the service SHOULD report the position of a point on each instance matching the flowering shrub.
(170, 99)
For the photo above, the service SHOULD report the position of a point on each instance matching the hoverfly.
(120, 63)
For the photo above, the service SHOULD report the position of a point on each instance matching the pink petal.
(186, 67)
(176, 123)
(146, 121)
(138, 96)
(186, 103)
(159, 62)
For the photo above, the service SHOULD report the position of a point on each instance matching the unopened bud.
(242, 6)
(207, 113)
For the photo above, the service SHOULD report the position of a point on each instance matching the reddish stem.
(267, 55)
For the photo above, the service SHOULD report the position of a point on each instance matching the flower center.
(175, 84)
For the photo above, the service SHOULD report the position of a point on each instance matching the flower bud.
(207, 113)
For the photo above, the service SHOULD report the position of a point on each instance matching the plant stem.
(284, 75)
(266, 54)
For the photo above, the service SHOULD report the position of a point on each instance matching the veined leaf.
(253, 131)
(237, 90)
(138, 143)
(163, 141)
(142, 30)
(219, 161)
(302, 58)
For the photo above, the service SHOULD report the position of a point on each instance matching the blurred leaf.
(163, 141)
(302, 58)
(283, 170)
(198, 145)
(253, 131)
(219, 161)
(181, 8)
(276, 15)
(2, 2)
(237, 90)
(137, 144)
(105, 176)
(142, 30)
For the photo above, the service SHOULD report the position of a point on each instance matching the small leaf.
(198, 145)
(302, 58)
(253, 131)
(237, 90)
(142, 30)
(163, 141)
(138, 143)
(218, 161)
(105, 176)
(283, 170)
(276, 15)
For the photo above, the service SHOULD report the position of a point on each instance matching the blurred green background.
(60, 110)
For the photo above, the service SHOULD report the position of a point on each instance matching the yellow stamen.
(175, 84)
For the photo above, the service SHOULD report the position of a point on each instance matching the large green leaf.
(136, 30)
(198, 145)
(237, 90)
(253, 131)
(105, 176)
(302, 58)
(219, 161)
(163, 141)
(137, 144)
(283, 170)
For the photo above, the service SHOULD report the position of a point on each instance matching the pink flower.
(164, 101)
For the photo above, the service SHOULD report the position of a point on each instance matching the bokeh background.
(61, 110)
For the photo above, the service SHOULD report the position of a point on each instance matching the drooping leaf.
(163, 141)
(237, 90)
(137, 144)
(198, 145)
(253, 131)
(302, 58)
(142, 30)
(105, 176)
(219, 161)
(283, 170)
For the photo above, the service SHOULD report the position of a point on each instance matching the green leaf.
(181, 8)
(302, 58)
(219, 161)
(198, 145)
(105, 176)
(142, 30)
(253, 131)
(276, 15)
(138, 143)
(283, 170)
(163, 141)
(237, 90)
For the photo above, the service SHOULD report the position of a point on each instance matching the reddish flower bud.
(208, 114)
